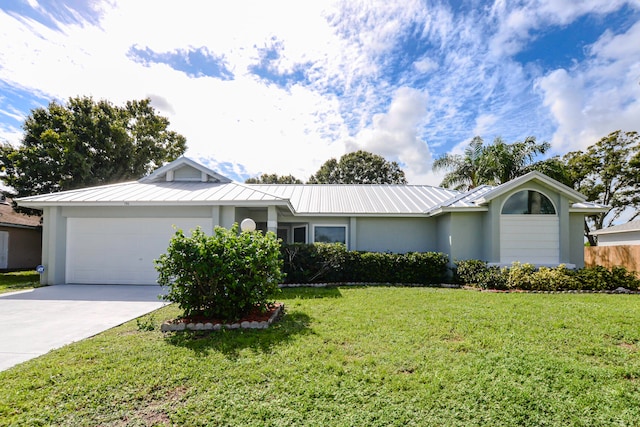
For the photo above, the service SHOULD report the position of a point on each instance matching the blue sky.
(282, 86)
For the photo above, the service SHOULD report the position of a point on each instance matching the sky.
(282, 86)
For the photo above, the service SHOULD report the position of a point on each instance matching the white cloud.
(10, 135)
(394, 135)
(264, 127)
(515, 24)
(599, 96)
(425, 65)
(350, 97)
(484, 123)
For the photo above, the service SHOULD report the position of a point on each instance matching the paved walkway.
(36, 321)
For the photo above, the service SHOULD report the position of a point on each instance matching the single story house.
(20, 239)
(111, 234)
(617, 235)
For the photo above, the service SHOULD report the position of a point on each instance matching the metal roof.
(136, 192)
(468, 199)
(309, 199)
(317, 199)
(169, 185)
(302, 199)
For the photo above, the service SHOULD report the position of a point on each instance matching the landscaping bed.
(256, 319)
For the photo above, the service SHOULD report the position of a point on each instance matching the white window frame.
(345, 226)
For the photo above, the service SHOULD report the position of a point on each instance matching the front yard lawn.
(378, 356)
(18, 281)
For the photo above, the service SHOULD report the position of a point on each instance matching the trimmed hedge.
(527, 277)
(333, 263)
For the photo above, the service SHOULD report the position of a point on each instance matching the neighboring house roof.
(185, 182)
(11, 218)
(622, 228)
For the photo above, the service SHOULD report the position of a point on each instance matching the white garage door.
(529, 239)
(120, 250)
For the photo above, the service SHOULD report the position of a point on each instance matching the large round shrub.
(224, 275)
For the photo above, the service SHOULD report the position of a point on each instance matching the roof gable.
(184, 169)
(534, 176)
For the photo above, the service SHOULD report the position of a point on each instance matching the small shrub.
(520, 276)
(224, 275)
(554, 279)
(600, 278)
(494, 278)
(481, 275)
(469, 271)
(593, 278)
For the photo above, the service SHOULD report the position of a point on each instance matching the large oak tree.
(273, 178)
(608, 172)
(86, 142)
(359, 167)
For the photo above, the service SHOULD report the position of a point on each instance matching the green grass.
(353, 357)
(18, 281)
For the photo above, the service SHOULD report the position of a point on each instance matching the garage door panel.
(120, 250)
(528, 238)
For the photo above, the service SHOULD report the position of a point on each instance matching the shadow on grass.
(311, 292)
(231, 342)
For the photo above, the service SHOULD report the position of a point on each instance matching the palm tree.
(465, 171)
(493, 164)
(504, 162)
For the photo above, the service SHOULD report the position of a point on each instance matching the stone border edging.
(171, 326)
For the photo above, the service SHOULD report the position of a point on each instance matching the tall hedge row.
(333, 263)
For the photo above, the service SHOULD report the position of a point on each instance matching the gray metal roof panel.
(359, 199)
(303, 199)
(153, 192)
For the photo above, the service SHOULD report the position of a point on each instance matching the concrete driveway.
(36, 321)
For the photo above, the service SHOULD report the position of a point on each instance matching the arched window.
(528, 202)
